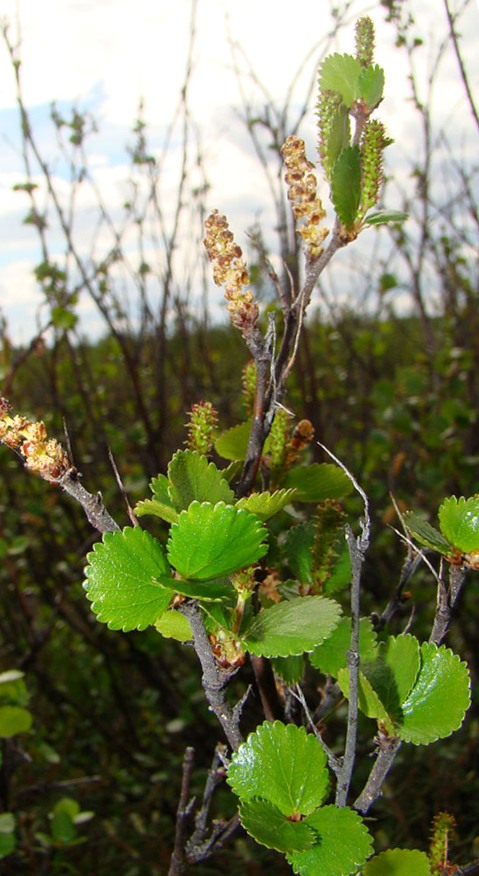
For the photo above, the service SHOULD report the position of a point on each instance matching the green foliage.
(346, 185)
(459, 525)
(417, 692)
(398, 862)
(121, 579)
(281, 778)
(396, 398)
(292, 627)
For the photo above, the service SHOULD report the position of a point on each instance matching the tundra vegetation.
(271, 665)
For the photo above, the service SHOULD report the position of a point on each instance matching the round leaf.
(192, 478)
(398, 862)
(330, 656)
(173, 625)
(120, 579)
(368, 701)
(266, 505)
(340, 73)
(394, 671)
(271, 828)
(343, 844)
(211, 541)
(292, 626)
(13, 720)
(318, 482)
(459, 522)
(282, 764)
(436, 705)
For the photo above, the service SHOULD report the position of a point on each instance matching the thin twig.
(388, 749)
(92, 505)
(183, 814)
(214, 679)
(334, 762)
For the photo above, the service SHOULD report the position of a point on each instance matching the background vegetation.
(393, 392)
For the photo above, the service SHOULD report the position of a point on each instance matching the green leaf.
(174, 625)
(266, 505)
(290, 669)
(341, 73)
(318, 482)
(62, 827)
(156, 509)
(343, 844)
(7, 836)
(160, 505)
(267, 824)
(292, 626)
(282, 764)
(120, 579)
(13, 720)
(212, 589)
(371, 85)
(394, 671)
(13, 690)
(233, 443)
(7, 822)
(459, 522)
(68, 805)
(330, 656)
(438, 702)
(424, 533)
(346, 186)
(369, 702)
(193, 478)
(210, 541)
(338, 137)
(383, 217)
(298, 547)
(398, 862)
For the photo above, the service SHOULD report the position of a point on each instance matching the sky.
(104, 55)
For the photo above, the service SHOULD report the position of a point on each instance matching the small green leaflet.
(318, 482)
(383, 217)
(343, 843)
(160, 505)
(266, 505)
(330, 656)
(13, 720)
(421, 693)
(439, 700)
(341, 73)
(400, 862)
(281, 764)
(338, 137)
(459, 522)
(425, 534)
(267, 824)
(120, 579)
(193, 478)
(371, 85)
(346, 186)
(292, 626)
(211, 541)
(233, 443)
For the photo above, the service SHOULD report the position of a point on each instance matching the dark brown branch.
(183, 816)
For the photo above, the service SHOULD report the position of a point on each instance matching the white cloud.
(104, 55)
